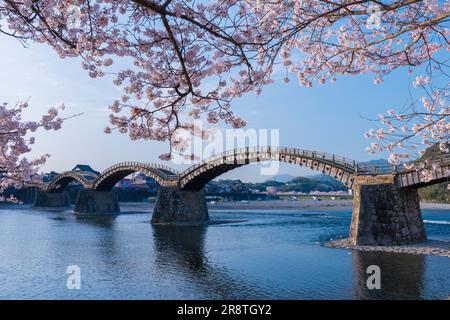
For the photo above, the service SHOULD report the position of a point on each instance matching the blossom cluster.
(15, 142)
(183, 60)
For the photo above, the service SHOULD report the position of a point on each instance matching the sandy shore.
(430, 247)
(435, 206)
(305, 205)
(283, 205)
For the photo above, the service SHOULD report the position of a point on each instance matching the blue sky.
(325, 118)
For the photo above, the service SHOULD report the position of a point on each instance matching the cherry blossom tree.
(424, 122)
(179, 60)
(15, 141)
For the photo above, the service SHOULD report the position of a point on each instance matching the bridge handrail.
(81, 174)
(146, 165)
(359, 168)
(442, 160)
(156, 167)
(400, 168)
(340, 160)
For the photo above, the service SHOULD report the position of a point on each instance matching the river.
(273, 254)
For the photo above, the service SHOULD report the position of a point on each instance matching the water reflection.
(182, 245)
(98, 221)
(402, 275)
(183, 250)
(124, 257)
(106, 245)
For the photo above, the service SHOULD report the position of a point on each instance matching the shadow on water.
(182, 249)
(402, 275)
(98, 221)
(184, 245)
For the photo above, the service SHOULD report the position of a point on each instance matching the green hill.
(437, 192)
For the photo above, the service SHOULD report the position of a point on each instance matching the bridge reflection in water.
(183, 249)
(98, 221)
(184, 245)
(181, 253)
(402, 275)
(126, 257)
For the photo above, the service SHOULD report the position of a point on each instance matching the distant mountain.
(376, 162)
(437, 192)
(324, 180)
(432, 152)
(282, 178)
(318, 182)
(320, 177)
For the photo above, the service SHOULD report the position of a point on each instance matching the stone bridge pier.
(183, 207)
(93, 202)
(27, 195)
(385, 214)
(173, 206)
(44, 198)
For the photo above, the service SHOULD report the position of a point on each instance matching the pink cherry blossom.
(177, 61)
(15, 167)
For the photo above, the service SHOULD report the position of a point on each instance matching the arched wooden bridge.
(161, 174)
(197, 176)
(60, 182)
(386, 206)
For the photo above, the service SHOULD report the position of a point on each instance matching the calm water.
(272, 255)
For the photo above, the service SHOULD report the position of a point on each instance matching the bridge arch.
(60, 182)
(198, 175)
(163, 175)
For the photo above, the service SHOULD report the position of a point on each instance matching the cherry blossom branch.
(15, 168)
(192, 59)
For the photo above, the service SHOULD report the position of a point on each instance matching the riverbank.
(307, 205)
(429, 247)
(304, 205)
